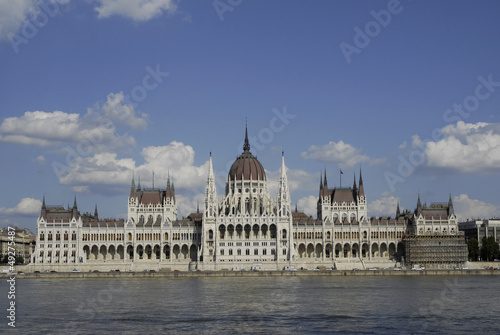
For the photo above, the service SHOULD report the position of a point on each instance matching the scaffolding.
(437, 251)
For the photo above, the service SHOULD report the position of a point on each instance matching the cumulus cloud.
(466, 148)
(136, 10)
(101, 169)
(308, 205)
(107, 169)
(13, 14)
(187, 205)
(467, 208)
(116, 110)
(386, 205)
(95, 131)
(297, 180)
(27, 206)
(339, 152)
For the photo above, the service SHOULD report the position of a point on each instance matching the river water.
(263, 305)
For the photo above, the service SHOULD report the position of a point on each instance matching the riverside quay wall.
(190, 274)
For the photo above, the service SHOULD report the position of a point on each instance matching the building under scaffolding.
(436, 250)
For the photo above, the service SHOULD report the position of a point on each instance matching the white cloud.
(80, 189)
(308, 205)
(386, 205)
(466, 208)
(142, 10)
(297, 180)
(342, 153)
(99, 169)
(15, 14)
(175, 159)
(402, 145)
(416, 142)
(467, 148)
(186, 205)
(41, 160)
(27, 206)
(95, 132)
(116, 110)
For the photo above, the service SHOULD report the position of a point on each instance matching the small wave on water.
(268, 306)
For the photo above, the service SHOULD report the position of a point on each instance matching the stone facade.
(243, 229)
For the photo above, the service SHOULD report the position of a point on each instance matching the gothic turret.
(75, 210)
(283, 193)
(450, 207)
(96, 215)
(44, 209)
(419, 206)
(361, 188)
(132, 188)
(210, 202)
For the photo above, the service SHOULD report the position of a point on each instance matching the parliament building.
(246, 228)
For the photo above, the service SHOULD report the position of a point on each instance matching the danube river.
(282, 305)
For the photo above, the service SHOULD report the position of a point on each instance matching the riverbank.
(183, 274)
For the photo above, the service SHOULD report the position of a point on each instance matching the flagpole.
(340, 170)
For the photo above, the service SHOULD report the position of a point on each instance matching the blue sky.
(408, 91)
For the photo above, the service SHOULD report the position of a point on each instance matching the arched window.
(284, 233)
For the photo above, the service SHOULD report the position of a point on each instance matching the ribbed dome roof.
(247, 165)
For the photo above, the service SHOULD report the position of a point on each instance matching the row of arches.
(314, 251)
(141, 252)
(347, 250)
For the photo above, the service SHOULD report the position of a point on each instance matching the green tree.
(490, 249)
(473, 247)
(19, 260)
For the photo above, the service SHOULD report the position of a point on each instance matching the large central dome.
(247, 166)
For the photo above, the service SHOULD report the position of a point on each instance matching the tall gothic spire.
(419, 205)
(168, 193)
(44, 209)
(210, 192)
(246, 146)
(398, 212)
(325, 185)
(132, 187)
(450, 206)
(75, 209)
(361, 188)
(96, 214)
(283, 193)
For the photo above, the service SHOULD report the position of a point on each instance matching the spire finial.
(246, 146)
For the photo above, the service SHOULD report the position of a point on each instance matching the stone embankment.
(184, 274)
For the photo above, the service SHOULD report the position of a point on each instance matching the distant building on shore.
(24, 243)
(244, 228)
(479, 229)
